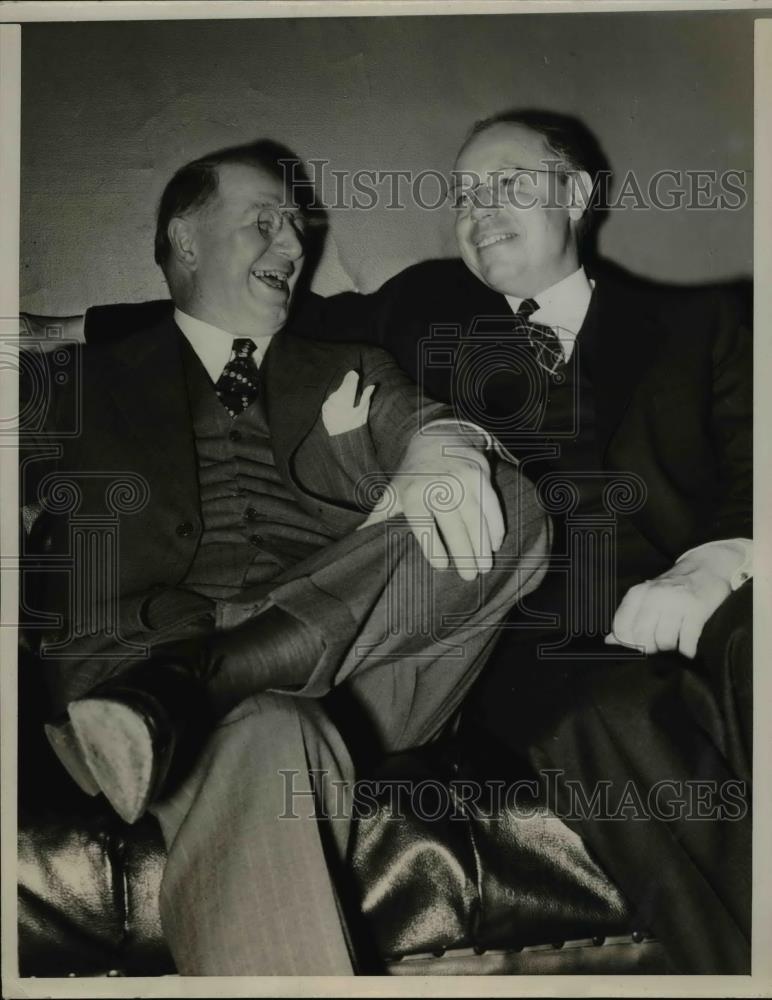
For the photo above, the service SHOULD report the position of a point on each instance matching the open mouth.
(274, 279)
(489, 241)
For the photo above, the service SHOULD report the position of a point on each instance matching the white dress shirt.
(563, 307)
(214, 346)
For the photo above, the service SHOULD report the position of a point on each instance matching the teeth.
(273, 278)
(487, 241)
(277, 275)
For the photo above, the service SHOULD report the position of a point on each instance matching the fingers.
(659, 617)
(491, 514)
(477, 532)
(474, 529)
(479, 511)
(450, 505)
(691, 630)
(424, 527)
(459, 544)
(667, 629)
(645, 624)
(624, 619)
(480, 536)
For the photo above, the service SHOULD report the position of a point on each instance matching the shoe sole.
(117, 746)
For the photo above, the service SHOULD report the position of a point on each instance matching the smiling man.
(252, 575)
(517, 214)
(629, 406)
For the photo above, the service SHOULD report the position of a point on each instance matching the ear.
(580, 192)
(181, 234)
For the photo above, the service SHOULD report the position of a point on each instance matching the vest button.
(250, 514)
(234, 435)
(185, 529)
(255, 539)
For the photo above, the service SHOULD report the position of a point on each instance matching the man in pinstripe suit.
(260, 573)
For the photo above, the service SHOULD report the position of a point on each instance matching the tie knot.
(243, 347)
(527, 306)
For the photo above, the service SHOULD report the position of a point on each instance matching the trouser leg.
(670, 735)
(245, 892)
(246, 889)
(407, 640)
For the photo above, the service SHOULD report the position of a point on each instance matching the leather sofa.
(466, 893)
(470, 892)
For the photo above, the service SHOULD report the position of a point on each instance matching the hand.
(339, 411)
(443, 487)
(670, 611)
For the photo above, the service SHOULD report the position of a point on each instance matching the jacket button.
(234, 435)
(255, 539)
(250, 514)
(185, 529)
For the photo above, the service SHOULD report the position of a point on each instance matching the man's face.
(523, 243)
(242, 277)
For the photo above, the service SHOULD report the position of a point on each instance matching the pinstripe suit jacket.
(129, 474)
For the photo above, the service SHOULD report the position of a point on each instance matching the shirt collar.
(562, 307)
(213, 345)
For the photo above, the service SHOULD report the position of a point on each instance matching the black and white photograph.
(377, 442)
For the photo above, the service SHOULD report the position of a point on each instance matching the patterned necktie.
(237, 387)
(543, 339)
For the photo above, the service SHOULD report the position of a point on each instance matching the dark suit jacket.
(672, 377)
(133, 461)
(672, 371)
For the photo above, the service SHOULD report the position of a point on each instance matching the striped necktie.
(237, 387)
(543, 339)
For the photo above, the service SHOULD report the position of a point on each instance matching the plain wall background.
(109, 111)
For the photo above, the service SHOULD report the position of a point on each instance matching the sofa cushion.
(459, 892)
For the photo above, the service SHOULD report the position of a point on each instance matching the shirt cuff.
(488, 443)
(744, 570)
(463, 426)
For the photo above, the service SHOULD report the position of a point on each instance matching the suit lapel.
(296, 376)
(149, 389)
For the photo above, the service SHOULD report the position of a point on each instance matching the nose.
(481, 209)
(483, 202)
(287, 240)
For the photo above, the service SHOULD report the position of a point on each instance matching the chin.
(501, 277)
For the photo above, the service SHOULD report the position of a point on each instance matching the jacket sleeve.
(399, 409)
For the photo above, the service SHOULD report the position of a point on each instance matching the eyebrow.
(501, 169)
(458, 181)
(267, 201)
